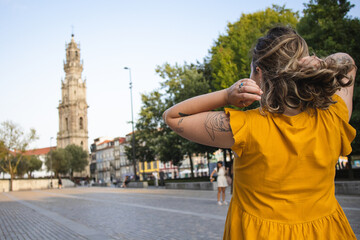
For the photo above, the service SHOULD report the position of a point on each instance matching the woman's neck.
(291, 111)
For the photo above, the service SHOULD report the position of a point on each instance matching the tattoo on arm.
(179, 129)
(183, 114)
(217, 122)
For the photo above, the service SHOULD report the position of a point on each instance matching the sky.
(113, 34)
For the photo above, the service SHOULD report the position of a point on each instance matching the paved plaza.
(113, 213)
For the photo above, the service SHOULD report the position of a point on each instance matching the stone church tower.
(73, 121)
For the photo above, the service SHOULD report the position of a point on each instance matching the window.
(148, 165)
(82, 143)
(81, 123)
(154, 164)
(67, 124)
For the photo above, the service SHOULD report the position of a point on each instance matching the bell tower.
(73, 120)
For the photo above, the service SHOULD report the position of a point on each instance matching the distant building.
(73, 121)
(123, 165)
(104, 156)
(146, 169)
(41, 153)
(108, 160)
(169, 170)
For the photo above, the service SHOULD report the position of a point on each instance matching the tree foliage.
(28, 165)
(229, 58)
(78, 158)
(13, 143)
(33, 164)
(328, 29)
(58, 161)
(153, 136)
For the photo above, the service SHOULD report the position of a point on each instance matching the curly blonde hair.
(285, 83)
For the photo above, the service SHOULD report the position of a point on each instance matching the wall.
(32, 184)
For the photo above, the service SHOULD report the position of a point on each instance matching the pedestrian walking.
(126, 181)
(59, 182)
(285, 150)
(162, 175)
(221, 182)
(156, 179)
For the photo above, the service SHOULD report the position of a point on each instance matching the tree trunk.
(11, 176)
(191, 165)
(11, 182)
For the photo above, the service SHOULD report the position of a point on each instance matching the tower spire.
(73, 106)
(72, 30)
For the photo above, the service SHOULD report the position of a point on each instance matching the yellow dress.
(284, 175)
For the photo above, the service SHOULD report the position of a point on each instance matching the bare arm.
(346, 93)
(194, 119)
(211, 175)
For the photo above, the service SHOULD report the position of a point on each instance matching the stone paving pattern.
(112, 213)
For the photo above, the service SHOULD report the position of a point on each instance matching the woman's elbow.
(165, 116)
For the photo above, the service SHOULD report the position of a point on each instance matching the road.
(113, 213)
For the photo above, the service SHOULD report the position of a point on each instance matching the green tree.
(58, 161)
(14, 142)
(181, 83)
(229, 58)
(143, 149)
(33, 164)
(328, 29)
(78, 158)
(22, 166)
(152, 135)
(28, 165)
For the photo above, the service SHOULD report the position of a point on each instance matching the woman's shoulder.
(339, 108)
(236, 113)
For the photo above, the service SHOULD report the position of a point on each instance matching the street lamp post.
(132, 121)
(51, 183)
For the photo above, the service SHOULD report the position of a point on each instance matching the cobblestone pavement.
(109, 213)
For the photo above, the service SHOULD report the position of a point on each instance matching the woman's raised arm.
(194, 119)
(346, 93)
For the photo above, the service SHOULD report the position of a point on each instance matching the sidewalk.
(113, 213)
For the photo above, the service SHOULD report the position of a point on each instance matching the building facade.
(170, 171)
(73, 120)
(41, 154)
(104, 160)
(109, 162)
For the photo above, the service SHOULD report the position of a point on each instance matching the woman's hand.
(243, 93)
(310, 62)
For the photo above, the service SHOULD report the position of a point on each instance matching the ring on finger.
(241, 85)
